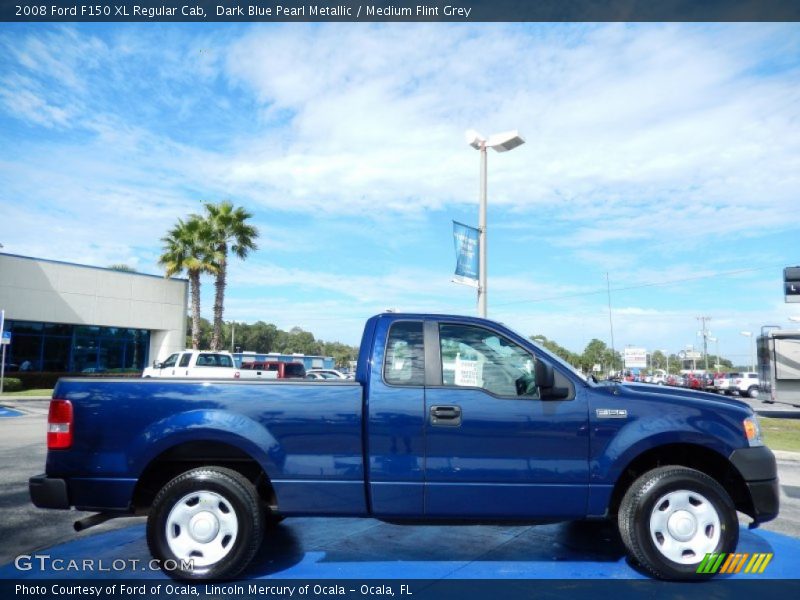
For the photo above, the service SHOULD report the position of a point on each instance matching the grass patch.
(781, 434)
(23, 393)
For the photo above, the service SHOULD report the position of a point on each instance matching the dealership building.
(76, 318)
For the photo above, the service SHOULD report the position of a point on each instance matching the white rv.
(779, 366)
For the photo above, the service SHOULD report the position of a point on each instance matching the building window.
(60, 348)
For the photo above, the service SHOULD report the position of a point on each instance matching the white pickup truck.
(746, 384)
(203, 364)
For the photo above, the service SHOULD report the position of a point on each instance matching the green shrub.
(47, 380)
(12, 384)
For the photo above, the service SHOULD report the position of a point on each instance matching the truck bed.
(308, 434)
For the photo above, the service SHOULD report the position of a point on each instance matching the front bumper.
(760, 472)
(47, 492)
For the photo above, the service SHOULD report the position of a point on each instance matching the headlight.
(752, 430)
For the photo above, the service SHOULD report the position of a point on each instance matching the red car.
(694, 382)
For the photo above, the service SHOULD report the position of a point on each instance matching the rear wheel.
(671, 517)
(753, 392)
(208, 521)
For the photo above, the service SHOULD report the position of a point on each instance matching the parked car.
(692, 381)
(493, 428)
(724, 385)
(205, 364)
(313, 376)
(329, 373)
(746, 384)
(675, 380)
(273, 369)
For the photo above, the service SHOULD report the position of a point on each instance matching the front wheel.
(205, 524)
(753, 392)
(672, 517)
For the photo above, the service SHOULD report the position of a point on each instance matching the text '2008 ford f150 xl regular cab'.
(449, 418)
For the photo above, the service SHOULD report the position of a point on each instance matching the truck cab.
(197, 364)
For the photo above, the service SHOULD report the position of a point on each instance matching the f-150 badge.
(611, 413)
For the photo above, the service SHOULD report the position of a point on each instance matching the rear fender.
(208, 425)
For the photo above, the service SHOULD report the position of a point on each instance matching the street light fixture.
(499, 142)
(749, 334)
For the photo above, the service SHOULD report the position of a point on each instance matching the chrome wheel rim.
(202, 527)
(685, 526)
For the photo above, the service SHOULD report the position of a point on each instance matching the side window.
(477, 357)
(185, 360)
(404, 362)
(170, 362)
(295, 370)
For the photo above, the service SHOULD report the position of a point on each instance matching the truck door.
(183, 364)
(394, 410)
(494, 447)
(168, 366)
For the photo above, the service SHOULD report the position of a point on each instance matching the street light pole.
(750, 335)
(500, 142)
(482, 237)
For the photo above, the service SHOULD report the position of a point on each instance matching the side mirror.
(157, 365)
(544, 374)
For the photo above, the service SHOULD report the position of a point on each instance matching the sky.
(664, 156)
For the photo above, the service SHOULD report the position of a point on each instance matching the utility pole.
(705, 333)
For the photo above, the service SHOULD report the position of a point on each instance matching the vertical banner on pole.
(467, 254)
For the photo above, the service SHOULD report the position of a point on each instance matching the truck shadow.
(368, 540)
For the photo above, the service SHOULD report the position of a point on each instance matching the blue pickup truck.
(449, 418)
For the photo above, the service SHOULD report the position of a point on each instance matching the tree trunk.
(219, 301)
(194, 284)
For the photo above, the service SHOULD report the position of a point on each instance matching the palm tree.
(187, 247)
(229, 232)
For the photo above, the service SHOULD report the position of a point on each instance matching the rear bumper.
(90, 494)
(47, 492)
(760, 472)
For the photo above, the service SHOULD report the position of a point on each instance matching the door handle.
(446, 416)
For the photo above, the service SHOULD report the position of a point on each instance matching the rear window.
(404, 360)
(295, 370)
(214, 360)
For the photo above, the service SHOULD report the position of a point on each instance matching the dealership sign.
(635, 358)
(791, 284)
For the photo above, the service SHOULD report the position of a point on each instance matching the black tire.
(228, 493)
(639, 504)
(752, 392)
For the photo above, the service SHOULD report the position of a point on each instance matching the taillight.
(60, 420)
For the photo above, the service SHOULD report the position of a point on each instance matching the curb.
(786, 455)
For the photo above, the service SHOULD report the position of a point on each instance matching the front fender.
(609, 467)
(235, 429)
